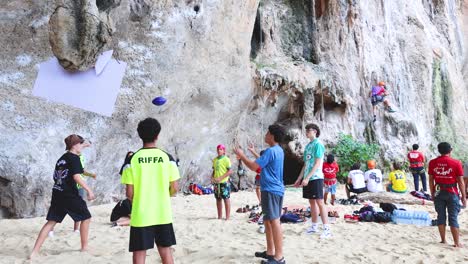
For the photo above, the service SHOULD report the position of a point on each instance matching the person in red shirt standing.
(330, 169)
(445, 175)
(251, 148)
(416, 159)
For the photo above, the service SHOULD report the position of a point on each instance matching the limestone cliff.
(229, 69)
(318, 60)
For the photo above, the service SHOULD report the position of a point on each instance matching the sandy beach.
(201, 238)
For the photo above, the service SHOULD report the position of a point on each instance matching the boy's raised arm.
(249, 163)
(251, 148)
(89, 174)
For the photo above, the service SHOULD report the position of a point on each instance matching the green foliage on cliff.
(442, 94)
(349, 151)
(442, 98)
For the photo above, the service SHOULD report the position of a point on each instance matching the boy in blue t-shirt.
(272, 192)
(311, 178)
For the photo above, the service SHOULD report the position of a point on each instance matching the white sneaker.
(76, 231)
(261, 229)
(312, 230)
(326, 234)
(51, 233)
(260, 220)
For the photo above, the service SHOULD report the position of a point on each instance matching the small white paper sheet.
(86, 90)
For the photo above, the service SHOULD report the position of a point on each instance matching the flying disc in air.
(159, 100)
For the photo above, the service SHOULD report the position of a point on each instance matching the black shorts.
(143, 238)
(313, 190)
(358, 191)
(75, 207)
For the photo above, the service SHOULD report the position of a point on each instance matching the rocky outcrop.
(79, 31)
(394, 198)
(229, 69)
(139, 9)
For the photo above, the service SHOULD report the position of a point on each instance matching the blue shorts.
(330, 188)
(447, 202)
(377, 99)
(272, 205)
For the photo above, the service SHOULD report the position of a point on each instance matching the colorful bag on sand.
(195, 189)
(366, 208)
(388, 207)
(421, 195)
(290, 218)
(382, 217)
(366, 216)
(207, 190)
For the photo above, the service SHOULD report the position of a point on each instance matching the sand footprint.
(382, 249)
(188, 251)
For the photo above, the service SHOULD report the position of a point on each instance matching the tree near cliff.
(350, 151)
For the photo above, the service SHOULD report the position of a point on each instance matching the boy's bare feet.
(443, 242)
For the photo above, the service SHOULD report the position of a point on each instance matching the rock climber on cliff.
(378, 94)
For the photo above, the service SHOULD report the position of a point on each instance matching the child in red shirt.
(330, 169)
(251, 148)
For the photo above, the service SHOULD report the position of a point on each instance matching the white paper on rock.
(102, 61)
(85, 90)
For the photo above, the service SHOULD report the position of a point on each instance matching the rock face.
(79, 31)
(350, 45)
(229, 69)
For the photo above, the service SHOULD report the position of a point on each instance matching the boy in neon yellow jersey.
(397, 179)
(220, 179)
(151, 178)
